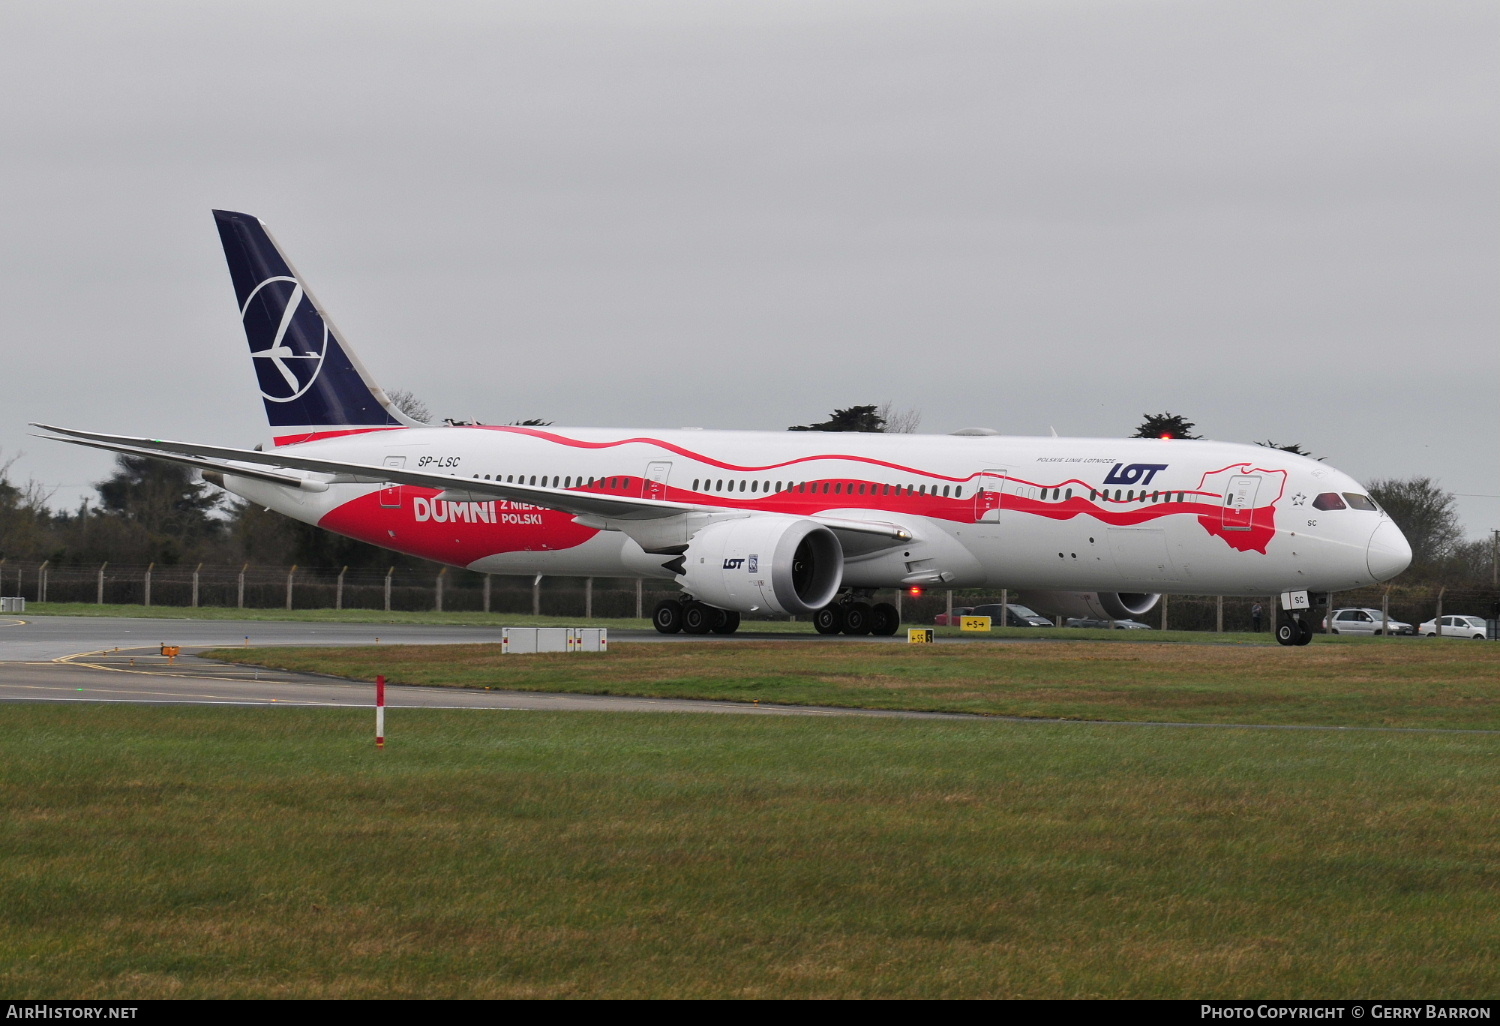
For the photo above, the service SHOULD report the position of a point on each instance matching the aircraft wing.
(265, 466)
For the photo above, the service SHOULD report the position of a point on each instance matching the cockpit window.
(1358, 501)
(1329, 500)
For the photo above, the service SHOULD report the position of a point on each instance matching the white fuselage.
(1069, 514)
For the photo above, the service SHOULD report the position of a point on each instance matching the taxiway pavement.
(117, 659)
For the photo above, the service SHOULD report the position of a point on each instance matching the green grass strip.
(199, 853)
(1395, 683)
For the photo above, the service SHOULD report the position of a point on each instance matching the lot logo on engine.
(733, 564)
(1133, 473)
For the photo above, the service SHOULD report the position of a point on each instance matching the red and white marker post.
(380, 711)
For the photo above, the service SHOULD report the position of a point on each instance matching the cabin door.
(1239, 502)
(390, 493)
(656, 479)
(989, 486)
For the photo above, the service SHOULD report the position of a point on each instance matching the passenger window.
(945, 491)
(1329, 500)
(958, 491)
(838, 488)
(861, 489)
(754, 486)
(1357, 501)
(695, 484)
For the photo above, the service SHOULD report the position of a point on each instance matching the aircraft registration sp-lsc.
(752, 522)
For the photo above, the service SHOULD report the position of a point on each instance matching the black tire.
(857, 618)
(667, 617)
(1286, 632)
(884, 620)
(728, 623)
(829, 619)
(1304, 632)
(698, 618)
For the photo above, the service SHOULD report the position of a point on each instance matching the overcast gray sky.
(1281, 220)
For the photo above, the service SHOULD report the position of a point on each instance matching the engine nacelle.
(764, 563)
(1102, 605)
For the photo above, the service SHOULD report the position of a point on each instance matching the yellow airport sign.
(973, 623)
(919, 635)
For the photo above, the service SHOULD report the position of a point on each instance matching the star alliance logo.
(288, 339)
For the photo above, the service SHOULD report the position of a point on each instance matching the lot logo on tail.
(287, 338)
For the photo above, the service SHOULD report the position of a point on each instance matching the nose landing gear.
(1291, 629)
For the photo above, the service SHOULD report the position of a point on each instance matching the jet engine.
(767, 563)
(1102, 605)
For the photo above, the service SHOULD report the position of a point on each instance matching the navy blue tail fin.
(309, 378)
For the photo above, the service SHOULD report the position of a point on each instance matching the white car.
(1456, 627)
(1365, 621)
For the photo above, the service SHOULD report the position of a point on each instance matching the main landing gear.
(850, 616)
(846, 616)
(693, 617)
(1291, 629)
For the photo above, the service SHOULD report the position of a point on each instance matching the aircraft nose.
(1389, 552)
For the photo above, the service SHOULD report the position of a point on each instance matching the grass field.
(1385, 683)
(208, 852)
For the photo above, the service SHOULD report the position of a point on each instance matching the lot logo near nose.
(1129, 474)
(288, 339)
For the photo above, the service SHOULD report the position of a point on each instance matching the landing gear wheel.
(698, 618)
(1287, 632)
(829, 619)
(667, 617)
(727, 623)
(857, 618)
(884, 620)
(1304, 632)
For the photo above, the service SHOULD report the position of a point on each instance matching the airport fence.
(396, 589)
(258, 586)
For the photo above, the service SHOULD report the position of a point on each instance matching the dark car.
(1018, 616)
(1123, 625)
